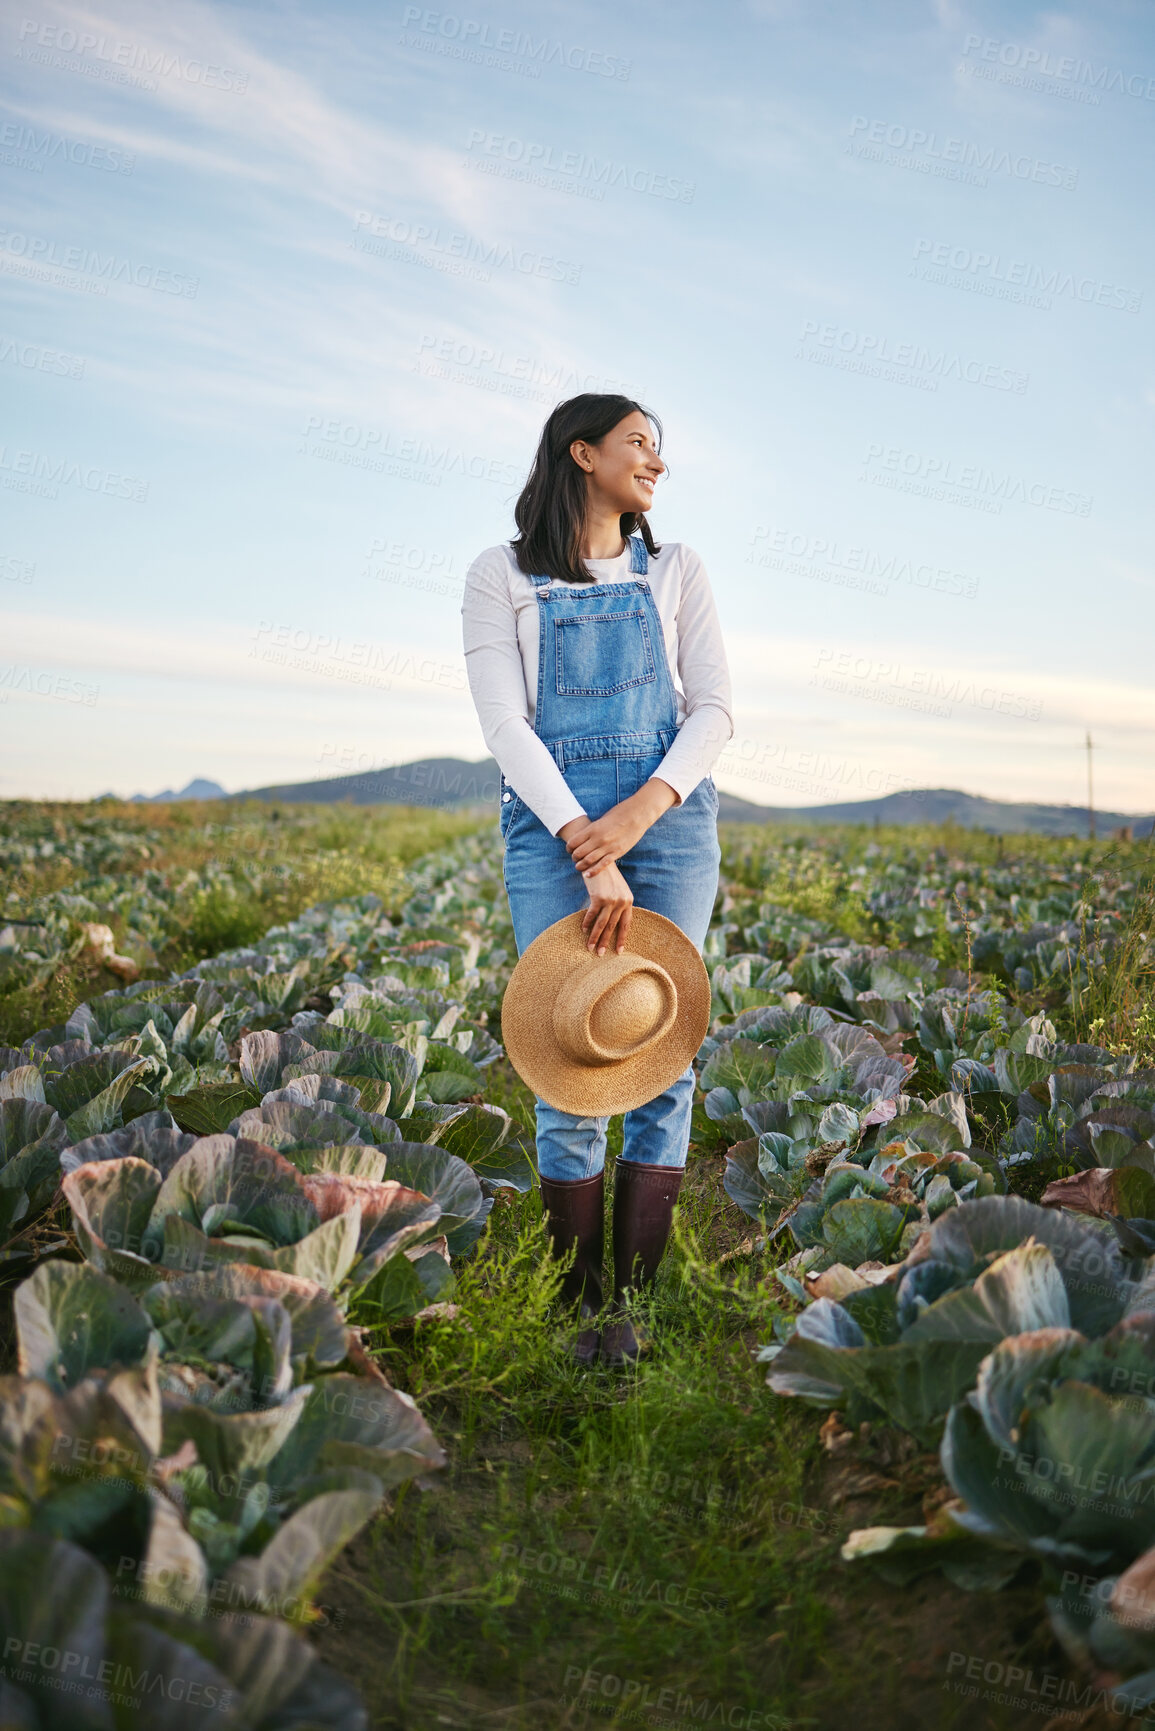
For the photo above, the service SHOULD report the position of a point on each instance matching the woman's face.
(623, 468)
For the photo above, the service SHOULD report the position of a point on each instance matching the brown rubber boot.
(575, 1215)
(644, 1198)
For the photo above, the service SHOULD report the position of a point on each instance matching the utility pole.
(1090, 792)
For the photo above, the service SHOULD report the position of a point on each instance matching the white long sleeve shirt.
(501, 633)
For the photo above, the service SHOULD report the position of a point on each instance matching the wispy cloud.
(698, 301)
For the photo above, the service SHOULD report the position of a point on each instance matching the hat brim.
(601, 1090)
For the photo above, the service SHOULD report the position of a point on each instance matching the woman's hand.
(607, 919)
(592, 846)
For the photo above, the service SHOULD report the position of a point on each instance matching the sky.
(288, 293)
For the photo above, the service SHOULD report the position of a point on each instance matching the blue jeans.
(672, 870)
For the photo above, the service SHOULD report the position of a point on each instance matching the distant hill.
(941, 805)
(443, 782)
(449, 782)
(195, 790)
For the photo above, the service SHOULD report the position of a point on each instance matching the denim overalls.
(607, 711)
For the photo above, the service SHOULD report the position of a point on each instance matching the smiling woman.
(596, 663)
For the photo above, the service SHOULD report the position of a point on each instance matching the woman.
(596, 663)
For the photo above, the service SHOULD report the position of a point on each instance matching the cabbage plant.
(232, 1200)
(31, 1137)
(274, 1454)
(907, 1346)
(234, 1671)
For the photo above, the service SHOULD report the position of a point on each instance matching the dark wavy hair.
(550, 510)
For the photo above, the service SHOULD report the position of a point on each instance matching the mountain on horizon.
(198, 789)
(937, 805)
(447, 783)
(441, 782)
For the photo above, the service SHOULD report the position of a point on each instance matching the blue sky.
(288, 292)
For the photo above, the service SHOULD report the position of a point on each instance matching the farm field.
(891, 1455)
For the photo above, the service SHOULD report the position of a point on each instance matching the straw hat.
(596, 1035)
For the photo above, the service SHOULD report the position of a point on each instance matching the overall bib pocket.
(601, 654)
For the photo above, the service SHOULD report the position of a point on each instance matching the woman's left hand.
(594, 845)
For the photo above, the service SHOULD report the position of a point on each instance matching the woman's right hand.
(606, 922)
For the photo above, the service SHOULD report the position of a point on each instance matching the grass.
(1117, 1006)
(670, 1527)
(616, 1514)
(226, 871)
(673, 1526)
